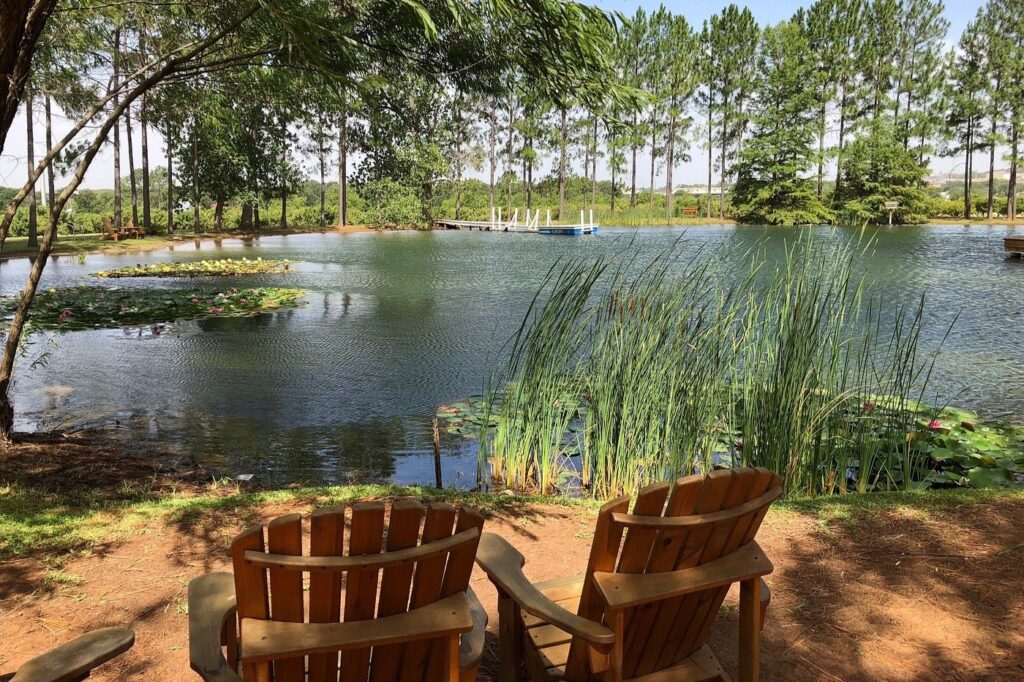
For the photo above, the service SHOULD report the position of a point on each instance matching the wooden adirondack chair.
(653, 586)
(432, 633)
(112, 232)
(74, 660)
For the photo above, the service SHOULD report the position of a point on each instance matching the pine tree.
(771, 185)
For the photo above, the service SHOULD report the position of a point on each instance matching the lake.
(344, 388)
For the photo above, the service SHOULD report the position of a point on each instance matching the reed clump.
(631, 372)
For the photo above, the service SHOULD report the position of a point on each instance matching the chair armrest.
(623, 590)
(504, 566)
(74, 660)
(471, 647)
(211, 603)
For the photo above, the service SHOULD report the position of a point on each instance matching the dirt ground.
(881, 595)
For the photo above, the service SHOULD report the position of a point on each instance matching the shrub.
(391, 205)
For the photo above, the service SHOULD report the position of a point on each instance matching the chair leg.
(750, 630)
(510, 632)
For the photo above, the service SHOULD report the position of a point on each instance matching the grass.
(81, 243)
(45, 524)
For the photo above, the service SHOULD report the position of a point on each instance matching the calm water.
(397, 324)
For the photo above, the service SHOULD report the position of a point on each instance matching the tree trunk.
(458, 159)
(670, 151)
(51, 192)
(343, 169)
(1011, 192)
(711, 146)
(170, 182)
(821, 149)
(967, 170)
(992, 170)
(839, 145)
(561, 165)
(632, 189)
(284, 185)
(246, 219)
(196, 222)
(611, 164)
(654, 170)
(117, 132)
(721, 173)
(147, 202)
(21, 24)
(131, 166)
(322, 222)
(593, 177)
(33, 211)
(218, 214)
(492, 156)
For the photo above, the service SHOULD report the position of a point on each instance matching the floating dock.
(1014, 245)
(531, 224)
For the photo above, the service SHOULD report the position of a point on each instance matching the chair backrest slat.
(603, 553)
(743, 531)
(426, 585)
(667, 545)
(326, 538)
(251, 595)
(365, 537)
(456, 579)
(403, 532)
(284, 536)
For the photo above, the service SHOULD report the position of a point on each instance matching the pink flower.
(934, 425)
(869, 406)
(195, 300)
(214, 310)
(740, 443)
(65, 314)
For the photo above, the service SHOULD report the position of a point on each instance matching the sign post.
(891, 206)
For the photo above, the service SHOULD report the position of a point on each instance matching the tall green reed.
(637, 372)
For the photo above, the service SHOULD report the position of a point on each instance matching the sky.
(13, 169)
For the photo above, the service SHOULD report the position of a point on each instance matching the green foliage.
(877, 168)
(86, 307)
(771, 185)
(391, 204)
(202, 268)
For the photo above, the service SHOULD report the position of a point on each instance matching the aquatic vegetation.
(222, 267)
(86, 307)
(620, 379)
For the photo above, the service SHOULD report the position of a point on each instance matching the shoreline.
(67, 246)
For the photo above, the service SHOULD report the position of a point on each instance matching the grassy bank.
(41, 522)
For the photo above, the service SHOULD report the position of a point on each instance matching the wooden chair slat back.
(396, 581)
(603, 552)
(662, 634)
(365, 537)
(426, 586)
(276, 593)
(284, 536)
(326, 538)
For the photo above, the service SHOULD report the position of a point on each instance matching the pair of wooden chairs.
(641, 611)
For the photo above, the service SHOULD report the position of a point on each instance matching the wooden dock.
(1014, 245)
(531, 224)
